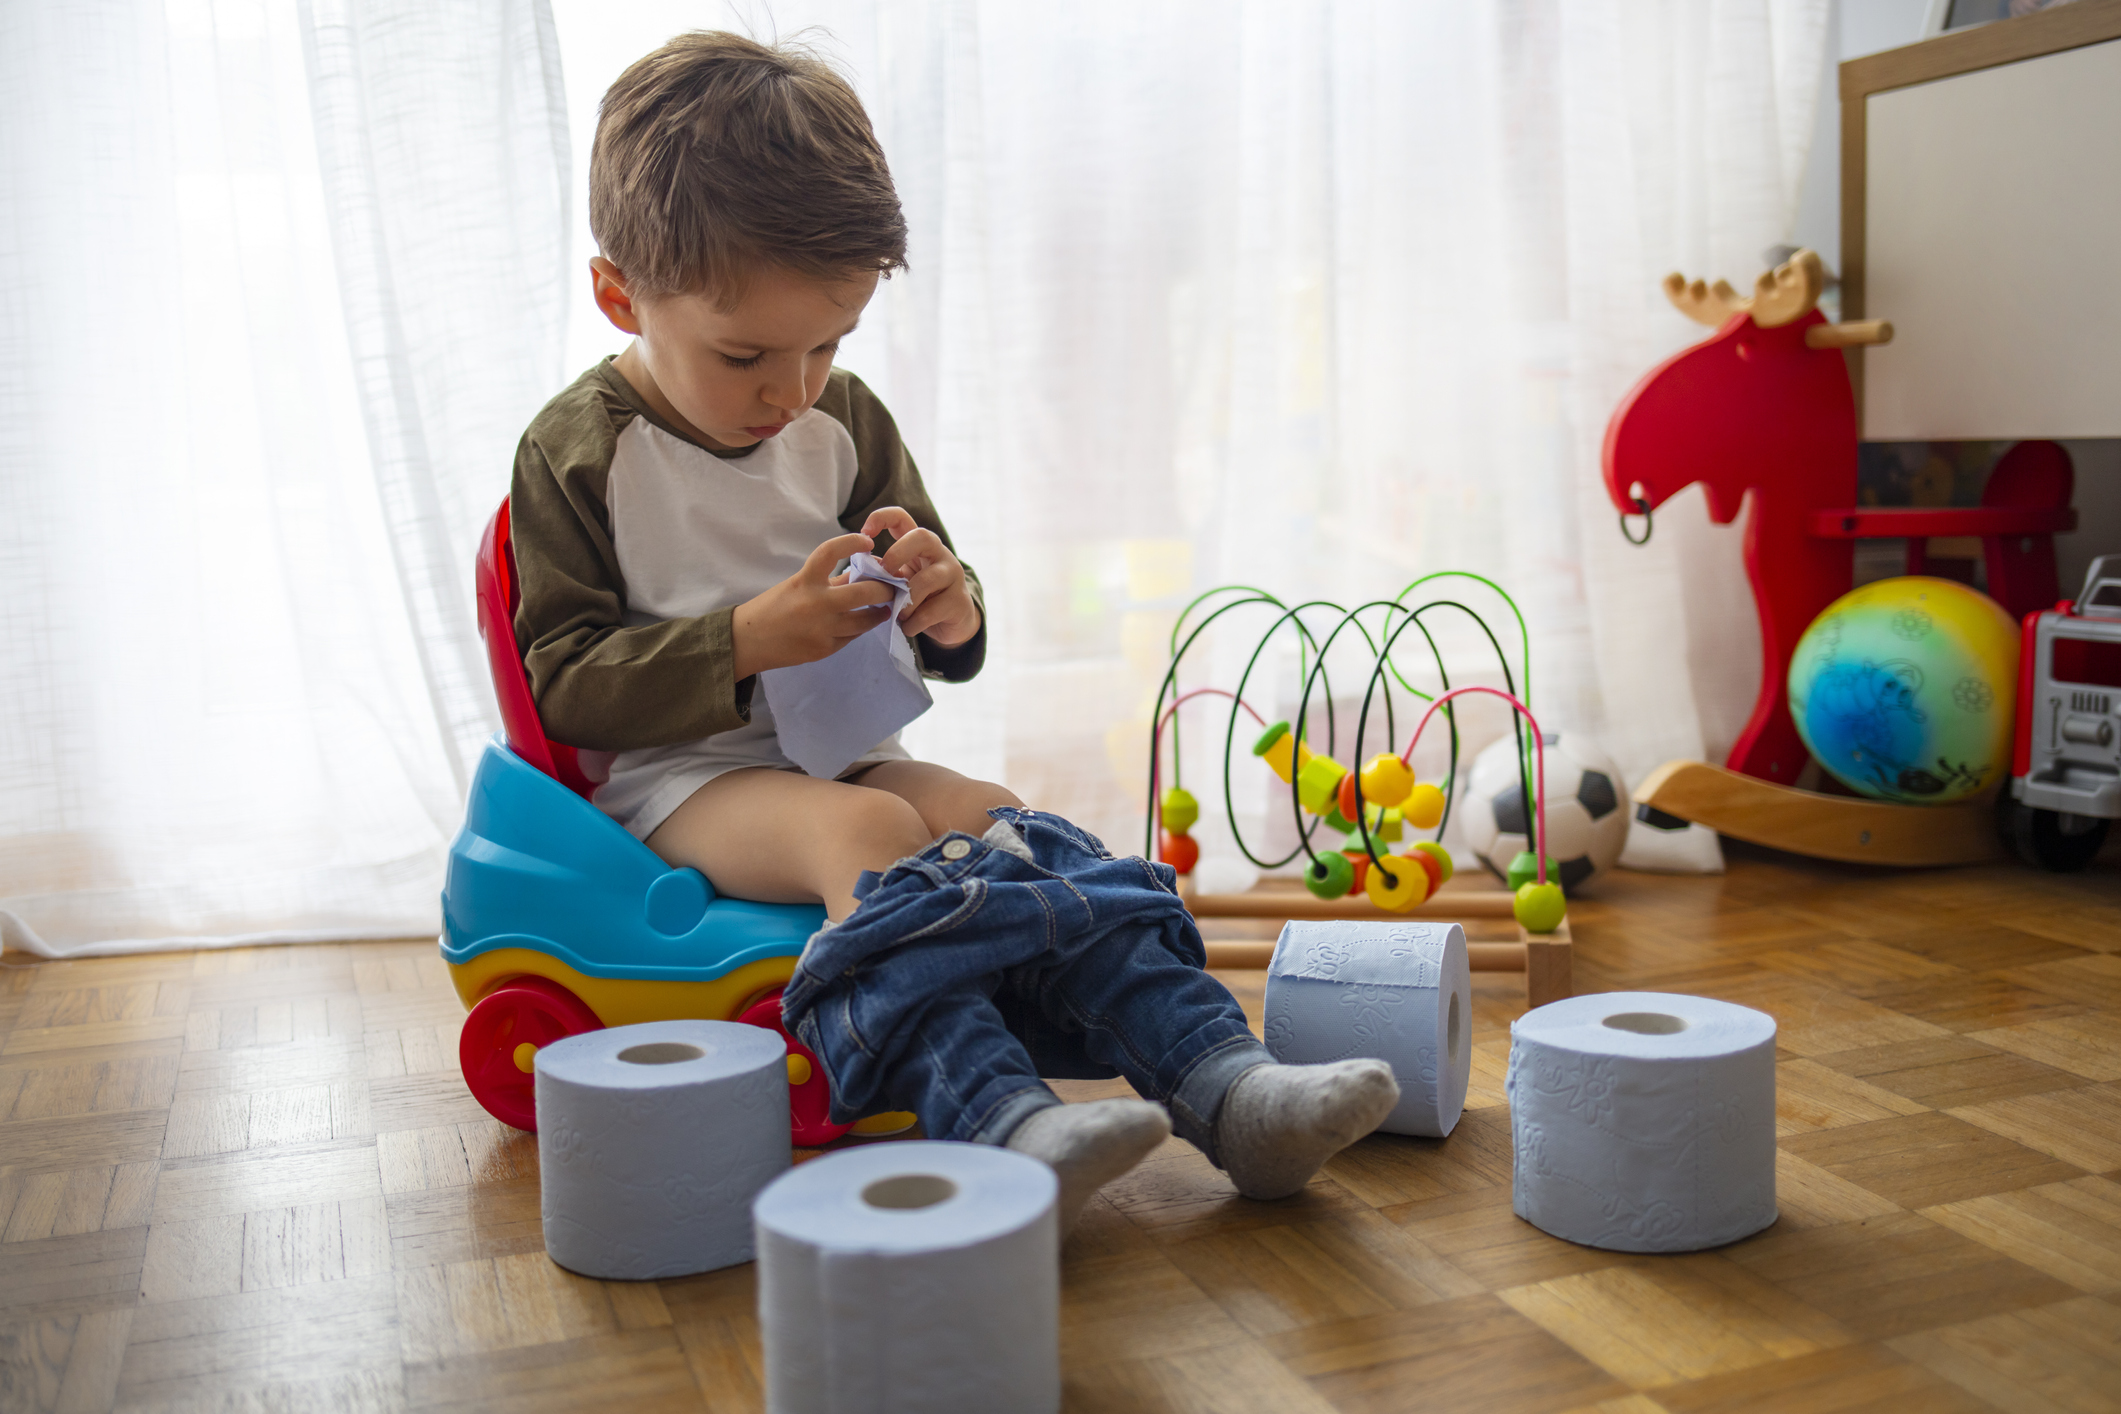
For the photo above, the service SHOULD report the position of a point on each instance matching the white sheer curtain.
(1315, 297)
(282, 287)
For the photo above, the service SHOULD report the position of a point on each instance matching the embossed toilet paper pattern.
(1396, 991)
(1643, 1142)
(649, 1170)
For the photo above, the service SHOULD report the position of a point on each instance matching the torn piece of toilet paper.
(831, 713)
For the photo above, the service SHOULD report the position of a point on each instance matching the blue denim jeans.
(977, 966)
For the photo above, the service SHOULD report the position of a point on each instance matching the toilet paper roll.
(1644, 1121)
(911, 1277)
(1399, 991)
(652, 1142)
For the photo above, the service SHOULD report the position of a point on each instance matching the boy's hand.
(941, 606)
(809, 615)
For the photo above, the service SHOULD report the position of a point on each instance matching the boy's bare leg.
(781, 837)
(946, 800)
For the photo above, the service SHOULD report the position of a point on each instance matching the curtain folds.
(442, 143)
(1319, 298)
(283, 288)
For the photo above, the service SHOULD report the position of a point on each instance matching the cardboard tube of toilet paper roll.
(911, 1277)
(652, 1142)
(1398, 990)
(1644, 1121)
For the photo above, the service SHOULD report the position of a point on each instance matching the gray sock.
(1089, 1145)
(1279, 1123)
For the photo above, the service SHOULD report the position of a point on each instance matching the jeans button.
(956, 849)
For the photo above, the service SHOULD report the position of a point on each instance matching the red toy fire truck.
(2066, 770)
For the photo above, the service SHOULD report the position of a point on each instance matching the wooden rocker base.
(1823, 826)
(1543, 958)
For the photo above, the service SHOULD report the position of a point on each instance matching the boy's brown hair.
(716, 153)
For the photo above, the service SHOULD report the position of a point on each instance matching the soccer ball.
(1587, 817)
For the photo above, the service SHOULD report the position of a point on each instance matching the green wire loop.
(1313, 675)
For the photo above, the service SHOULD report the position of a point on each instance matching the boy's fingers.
(855, 623)
(919, 544)
(940, 609)
(891, 518)
(826, 557)
(863, 605)
(929, 580)
(862, 595)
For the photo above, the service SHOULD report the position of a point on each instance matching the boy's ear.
(611, 296)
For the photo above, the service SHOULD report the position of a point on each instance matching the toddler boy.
(678, 517)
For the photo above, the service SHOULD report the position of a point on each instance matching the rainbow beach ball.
(1904, 690)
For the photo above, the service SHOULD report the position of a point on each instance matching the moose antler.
(1701, 302)
(1781, 296)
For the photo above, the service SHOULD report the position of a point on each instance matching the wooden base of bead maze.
(1543, 958)
(1824, 826)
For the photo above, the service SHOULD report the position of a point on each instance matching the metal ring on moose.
(1642, 508)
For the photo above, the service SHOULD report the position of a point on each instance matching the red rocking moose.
(1763, 410)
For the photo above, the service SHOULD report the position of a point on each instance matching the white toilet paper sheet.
(911, 1277)
(652, 1142)
(1399, 991)
(829, 714)
(1644, 1121)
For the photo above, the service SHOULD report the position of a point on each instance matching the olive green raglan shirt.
(603, 485)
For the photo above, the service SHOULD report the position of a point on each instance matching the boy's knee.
(881, 827)
(986, 795)
(967, 806)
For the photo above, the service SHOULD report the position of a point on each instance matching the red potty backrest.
(494, 586)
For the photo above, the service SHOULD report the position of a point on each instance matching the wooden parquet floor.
(254, 1181)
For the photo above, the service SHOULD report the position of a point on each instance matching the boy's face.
(734, 377)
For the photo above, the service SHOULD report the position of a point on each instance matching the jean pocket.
(975, 894)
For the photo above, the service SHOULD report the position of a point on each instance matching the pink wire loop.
(1156, 757)
(1539, 756)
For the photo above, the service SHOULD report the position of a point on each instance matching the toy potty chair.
(556, 921)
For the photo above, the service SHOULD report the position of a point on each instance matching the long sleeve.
(886, 476)
(598, 683)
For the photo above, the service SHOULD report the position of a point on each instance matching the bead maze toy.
(1763, 411)
(556, 921)
(1367, 808)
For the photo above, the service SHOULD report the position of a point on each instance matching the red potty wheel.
(504, 1033)
(809, 1092)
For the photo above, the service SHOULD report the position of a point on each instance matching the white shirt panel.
(694, 533)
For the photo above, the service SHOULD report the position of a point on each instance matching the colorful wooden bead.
(1280, 749)
(1539, 907)
(1337, 821)
(1386, 779)
(1349, 807)
(1423, 807)
(1359, 860)
(1428, 866)
(1269, 739)
(1180, 851)
(1523, 870)
(1329, 876)
(1397, 883)
(1181, 810)
(1385, 828)
(1438, 853)
(1318, 784)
